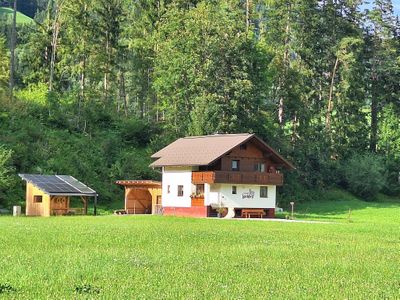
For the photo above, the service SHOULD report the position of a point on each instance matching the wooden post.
(292, 204)
(85, 204)
(95, 205)
(127, 189)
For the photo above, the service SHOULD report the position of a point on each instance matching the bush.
(6, 173)
(135, 132)
(392, 187)
(5, 167)
(365, 175)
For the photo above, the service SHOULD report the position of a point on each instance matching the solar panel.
(58, 184)
(76, 184)
(59, 187)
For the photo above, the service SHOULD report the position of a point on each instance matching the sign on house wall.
(248, 195)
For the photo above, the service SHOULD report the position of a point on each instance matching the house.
(48, 195)
(141, 196)
(200, 174)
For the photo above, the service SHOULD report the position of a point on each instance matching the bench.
(253, 213)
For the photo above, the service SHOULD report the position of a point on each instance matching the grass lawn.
(21, 18)
(114, 257)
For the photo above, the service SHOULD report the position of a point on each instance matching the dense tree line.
(319, 80)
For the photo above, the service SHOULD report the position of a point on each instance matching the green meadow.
(21, 18)
(354, 256)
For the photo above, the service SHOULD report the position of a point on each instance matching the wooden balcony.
(198, 201)
(237, 177)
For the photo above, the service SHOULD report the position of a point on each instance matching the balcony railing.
(198, 201)
(237, 177)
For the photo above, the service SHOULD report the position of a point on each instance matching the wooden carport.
(141, 196)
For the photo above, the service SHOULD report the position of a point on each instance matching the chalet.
(202, 174)
(49, 195)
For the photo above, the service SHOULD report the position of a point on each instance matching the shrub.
(5, 168)
(365, 175)
(135, 132)
(6, 174)
(392, 187)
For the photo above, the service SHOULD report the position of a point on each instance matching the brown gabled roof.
(203, 150)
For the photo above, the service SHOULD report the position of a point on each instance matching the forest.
(91, 88)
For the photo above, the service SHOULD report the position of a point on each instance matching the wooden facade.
(263, 178)
(249, 154)
(141, 196)
(39, 203)
(34, 206)
(198, 201)
(255, 166)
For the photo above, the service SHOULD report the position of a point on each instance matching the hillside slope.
(46, 142)
(21, 18)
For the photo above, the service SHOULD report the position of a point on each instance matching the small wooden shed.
(49, 195)
(141, 196)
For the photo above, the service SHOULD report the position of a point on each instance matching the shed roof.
(59, 185)
(204, 150)
(139, 183)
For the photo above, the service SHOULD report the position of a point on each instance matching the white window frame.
(261, 189)
(180, 185)
(237, 162)
(234, 190)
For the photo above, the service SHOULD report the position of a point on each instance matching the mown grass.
(21, 18)
(113, 257)
(344, 207)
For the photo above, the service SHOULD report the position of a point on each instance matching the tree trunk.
(12, 48)
(82, 83)
(247, 15)
(294, 128)
(281, 113)
(56, 31)
(374, 121)
(106, 71)
(122, 92)
(330, 99)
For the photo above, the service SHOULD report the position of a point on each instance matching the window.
(234, 190)
(235, 165)
(243, 147)
(180, 190)
(259, 167)
(37, 199)
(168, 189)
(263, 192)
(199, 189)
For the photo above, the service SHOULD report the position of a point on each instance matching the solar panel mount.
(59, 184)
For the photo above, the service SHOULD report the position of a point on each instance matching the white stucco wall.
(213, 193)
(174, 176)
(223, 192)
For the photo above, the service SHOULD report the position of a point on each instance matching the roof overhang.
(276, 155)
(70, 194)
(284, 161)
(139, 183)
